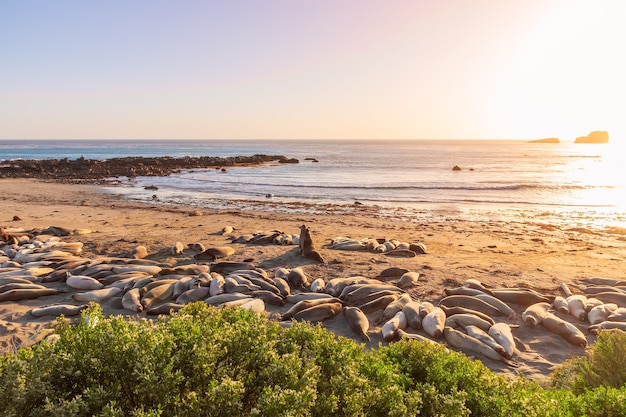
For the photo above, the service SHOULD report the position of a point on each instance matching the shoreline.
(499, 254)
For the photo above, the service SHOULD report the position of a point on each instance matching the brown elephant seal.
(391, 273)
(196, 247)
(306, 303)
(298, 278)
(319, 312)
(358, 322)
(305, 244)
(27, 294)
(226, 267)
(83, 282)
(165, 308)
(214, 253)
(138, 252)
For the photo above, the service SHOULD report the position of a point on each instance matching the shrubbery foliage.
(208, 362)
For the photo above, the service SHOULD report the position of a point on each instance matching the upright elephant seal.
(305, 244)
(358, 322)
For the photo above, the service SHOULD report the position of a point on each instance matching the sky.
(314, 69)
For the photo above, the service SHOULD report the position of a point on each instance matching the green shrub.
(603, 366)
(203, 361)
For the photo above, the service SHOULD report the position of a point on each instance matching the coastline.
(499, 254)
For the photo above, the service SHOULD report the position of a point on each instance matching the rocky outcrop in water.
(94, 170)
(597, 136)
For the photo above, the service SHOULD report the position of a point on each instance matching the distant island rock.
(597, 136)
(546, 140)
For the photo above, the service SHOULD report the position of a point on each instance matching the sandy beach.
(498, 254)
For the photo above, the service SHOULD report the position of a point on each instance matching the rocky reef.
(94, 170)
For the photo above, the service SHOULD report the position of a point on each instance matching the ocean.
(567, 184)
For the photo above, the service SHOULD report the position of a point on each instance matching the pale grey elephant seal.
(566, 330)
(58, 309)
(358, 322)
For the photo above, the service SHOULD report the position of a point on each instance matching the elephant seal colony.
(481, 322)
(500, 275)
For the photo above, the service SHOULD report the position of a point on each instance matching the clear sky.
(405, 69)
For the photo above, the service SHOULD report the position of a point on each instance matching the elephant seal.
(408, 279)
(83, 282)
(27, 294)
(58, 309)
(462, 320)
(319, 312)
(412, 313)
(391, 273)
(566, 330)
(298, 278)
(196, 247)
(358, 322)
(97, 295)
(157, 295)
(193, 294)
(466, 343)
(131, 300)
(470, 302)
(397, 322)
(534, 314)
(214, 253)
(607, 325)
(477, 285)
(434, 322)
(395, 306)
(305, 244)
(165, 308)
(483, 336)
(600, 313)
(521, 296)
(138, 252)
(576, 304)
(377, 304)
(560, 304)
(304, 304)
(177, 248)
(226, 267)
(501, 333)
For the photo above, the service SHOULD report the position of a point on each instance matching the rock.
(546, 140)
(456, 168)
(597, 136)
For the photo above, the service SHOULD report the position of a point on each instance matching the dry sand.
(498, 254)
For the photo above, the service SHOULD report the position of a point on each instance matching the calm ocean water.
(575, 185)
